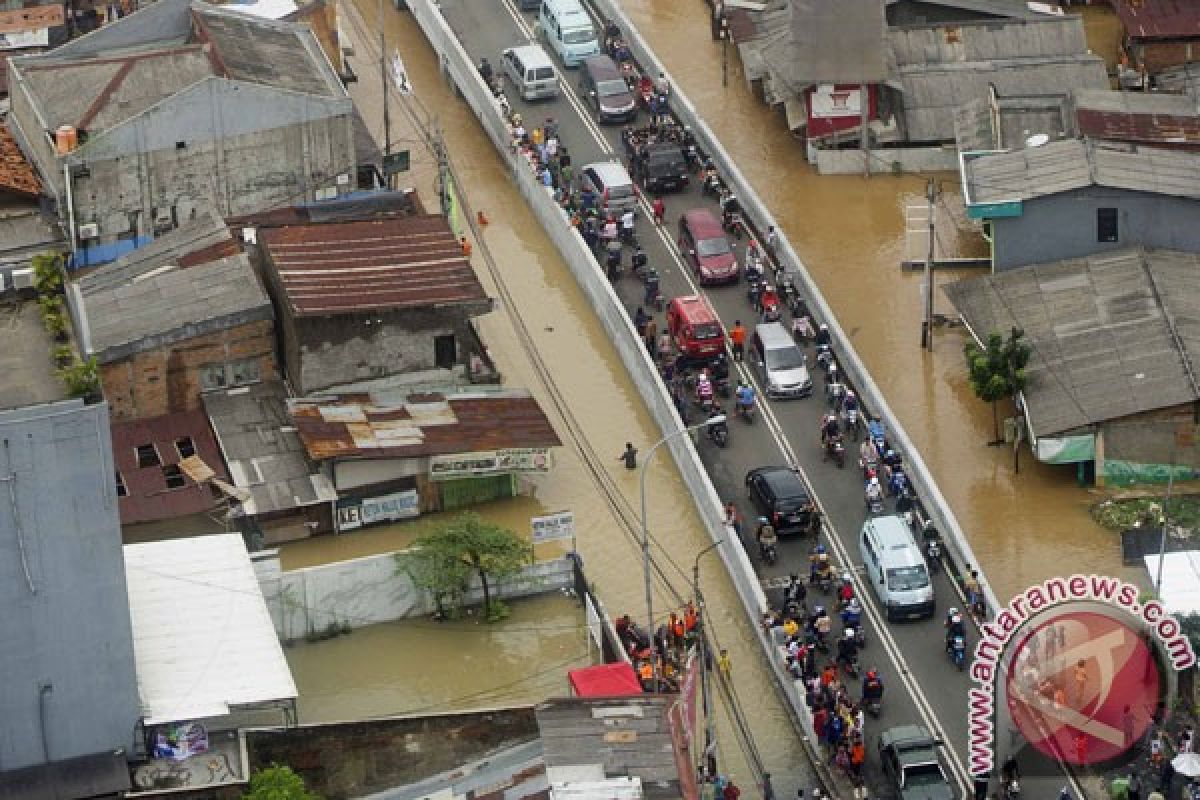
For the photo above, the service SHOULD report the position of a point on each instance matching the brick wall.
(168, 380)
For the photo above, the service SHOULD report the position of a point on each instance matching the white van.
(567, 28)
(896, 568)
(531, 72)
(780, 362)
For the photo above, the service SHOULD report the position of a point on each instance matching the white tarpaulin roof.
(1180, 580)
(202, 637)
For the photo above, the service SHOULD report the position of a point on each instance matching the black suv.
(781, 497)
(909, 757)
(662, 168)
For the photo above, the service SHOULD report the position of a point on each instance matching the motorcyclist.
(823, 336)
(818, 564)
(829, 427)
(662, 86)
(874, 492)
(485, 71)
(872, 687)
(718, 368)
(795, 593)
(704, 388)
(852, 614)
(765, 535)
(822, 624)
(846, 590)
(716, 428)
(849, 401)
(638, 260)
(847, 648)
(745, 397)
(954, 626)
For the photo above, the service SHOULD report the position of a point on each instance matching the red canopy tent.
(605, 680)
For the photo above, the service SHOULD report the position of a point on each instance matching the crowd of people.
(659, 660)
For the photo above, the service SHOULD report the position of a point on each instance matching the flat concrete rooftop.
(27, 374)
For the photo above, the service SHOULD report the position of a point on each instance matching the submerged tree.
(443, 561)
(277, 783)
(997, 370)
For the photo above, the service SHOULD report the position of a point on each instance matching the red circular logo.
(1082, 687)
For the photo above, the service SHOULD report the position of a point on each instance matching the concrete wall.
(1165, 436)
(353, 759)
(1064, 226)
(900, 159)
(364, 591)
(329, 351)
(166, 380)
(65, 620)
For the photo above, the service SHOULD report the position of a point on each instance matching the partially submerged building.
(1110, 382)
(1073, 198)
(392, 455)
(182, 106)
(373, 299)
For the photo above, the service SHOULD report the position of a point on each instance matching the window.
(445, 352)
(147, 456)
(1106, 225)
(121, 490)
(237, 373)
(174, 476)
(185, 447)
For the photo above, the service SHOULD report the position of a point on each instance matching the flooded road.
(401, 667)
(591, 402)
(849, 231)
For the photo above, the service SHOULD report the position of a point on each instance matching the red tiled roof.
(349, 267)
(351, 426)
(148, 497)
(16, 174)
(1163, 130)
(1159, 19)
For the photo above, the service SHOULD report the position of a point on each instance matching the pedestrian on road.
(640, 318)
(629, 456)
(650, 334)
(466, 246)
(772, 242)
(660, 210)
(737, 338)
(731, 791)
(724, 664)
(733, 518)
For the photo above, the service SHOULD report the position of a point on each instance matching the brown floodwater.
(399, 668)
(574, 357)
(850, 233)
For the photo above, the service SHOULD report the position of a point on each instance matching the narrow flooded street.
(402, 667)
(850, 233)
(595, 409)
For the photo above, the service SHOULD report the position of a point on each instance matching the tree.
(442, 561)
(278, 783)
(997, 370)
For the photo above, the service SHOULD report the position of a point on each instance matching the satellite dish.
(1037, 140)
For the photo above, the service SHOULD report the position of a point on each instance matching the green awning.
(1066, 449)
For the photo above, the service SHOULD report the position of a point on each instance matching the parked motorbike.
(768, 552)
(718, 434)
(933, 555)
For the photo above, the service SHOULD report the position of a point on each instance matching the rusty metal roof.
(148, 498)
(1164, 120)
(360, 426)
(1159, 19)
(16, 173)
(351, 267)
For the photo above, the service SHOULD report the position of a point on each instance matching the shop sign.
(553, 526)
(490, 462)
(386, 508)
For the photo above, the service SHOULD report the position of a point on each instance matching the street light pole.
(720, 418)
(710, 735)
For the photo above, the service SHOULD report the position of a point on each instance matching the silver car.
(782, 364)
(612, 185)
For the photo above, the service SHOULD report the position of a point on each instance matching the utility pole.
(710, 733)
(864, 101)
(724, 49)
(927, 325)
(383, 85)
(439, 150)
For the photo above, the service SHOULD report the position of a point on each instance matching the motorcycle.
(719, 434)
(933, 556)
(753, 271)
(958, 652)
(854, 621)
(874, 497)
(824, 581)
(1012, 790)
(654, 295)
(747, 412)
(755, 288)
(878, 438)
(712, 185)
(732, 223)
(874, 706)
(768, 553)
(768, 303)
(835, 449)
(850, 418)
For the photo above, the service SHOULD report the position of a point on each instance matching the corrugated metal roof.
(205, 232)
(350, 267)
(1159, 19)
(203, 639)
(358, 426)
(16, 173)
(1073, 164)
(1100, 329)
(148, 497)
(971, 42)
(839, 42)
(1181, 78)
(1018, 119)
(1164, 120)
(262, 449)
